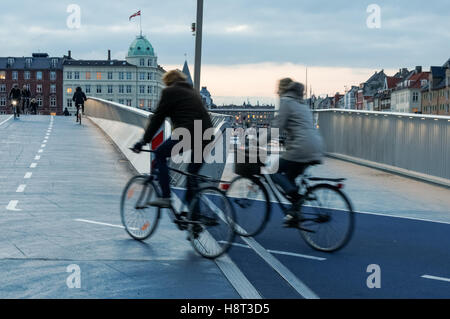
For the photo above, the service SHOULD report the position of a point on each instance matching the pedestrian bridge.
(60, 187)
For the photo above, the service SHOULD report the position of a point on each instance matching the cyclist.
(26, 94)
(79, 97)
(14, 96)
(183, 105)
(303, 144)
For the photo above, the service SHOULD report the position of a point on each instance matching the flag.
(135, 15)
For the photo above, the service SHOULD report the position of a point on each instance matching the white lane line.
(279, 252)
(405, 217)
(276, 265)
(230, 270)
(21, 188)
(37, 157)
(98, 223)
(48, 134)
(43, 145)
(7, 119)
(12, 206)
(33, 165)
(28, 175)
(45, 141)
(436, 278)
(40, 151)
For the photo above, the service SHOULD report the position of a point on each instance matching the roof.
(113, 63)
(141, 47)
(415, 81)
(187, 73)
(392, 81)
(37, 63)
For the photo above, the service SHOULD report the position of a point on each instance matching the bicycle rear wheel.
(327, 218)
(213, 235)
(251, 201)
(140, 220)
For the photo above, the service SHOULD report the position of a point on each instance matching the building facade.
(43, 76)
(407, 97)
(436, 95)
(350, 98)
(135, 81)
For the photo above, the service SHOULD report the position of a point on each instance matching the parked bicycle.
(326, 217)
(209, 219)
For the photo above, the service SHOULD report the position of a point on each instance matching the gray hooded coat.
(304, 143)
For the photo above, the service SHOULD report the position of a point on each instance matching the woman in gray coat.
(304, 145)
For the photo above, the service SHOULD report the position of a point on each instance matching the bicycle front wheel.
(139, 219)
(212, 231)
(327, 218)
(251, 200)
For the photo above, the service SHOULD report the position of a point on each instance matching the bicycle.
(14, 105)
(78, 115)
(209, 220)
(324, 206)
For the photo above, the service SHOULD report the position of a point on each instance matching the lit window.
(88, 75)
(69, 90)
(2, 75)
(99, 75)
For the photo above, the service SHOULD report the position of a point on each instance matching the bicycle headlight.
(14, 102)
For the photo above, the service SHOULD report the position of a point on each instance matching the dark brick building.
(42, 74)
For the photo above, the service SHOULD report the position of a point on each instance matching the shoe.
(161, 202)
(290, 221)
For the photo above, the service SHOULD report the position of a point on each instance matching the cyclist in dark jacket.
(14, 95)
(183, 105)
(79, 98)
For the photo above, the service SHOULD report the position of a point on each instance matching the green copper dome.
(141, 46)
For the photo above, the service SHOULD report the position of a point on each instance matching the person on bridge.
(26, 94)
(304, 145)
(14, 95)
(79, 97)
(183, 105)
(33, 106)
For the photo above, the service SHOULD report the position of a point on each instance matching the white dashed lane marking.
(436, 278)
(21, 188)
(33, 165)
(13, 206)
(37, 157)
(28, 175)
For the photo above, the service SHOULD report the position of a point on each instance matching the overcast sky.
(248, 44)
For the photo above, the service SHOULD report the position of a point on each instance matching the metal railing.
(411, 142)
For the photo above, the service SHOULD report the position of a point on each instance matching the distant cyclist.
(79, 98)
(183, 105)
(26, 94)
(303, 144)
(14, 95)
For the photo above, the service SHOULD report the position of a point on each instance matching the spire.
(187, 73)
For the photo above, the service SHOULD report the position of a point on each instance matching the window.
(142, 62)
(69, 75)
(39, 101)
(141, 103)
(99, 89)
(128, 102)
(142, 76)
(121, 89)
(149, 62)
(99, 75)
(88, 75)
(53, 101)
(121, 101)
(88, 89)
(110, 75)
(149, 76)
(2, 88)
(121, 76)
(54, 62)
(69, 90)
(27, 75)
(3, 101)
(128, 88)
(28, 62)
(10, 61)
(2, 75)
(53, 88)
(77, 75)
(39, 88)
(415, 96)
(129, 76)
(149, 89)
(142, 89)
(69, 103)
(110, 89)
(52, 76)
(15, 75)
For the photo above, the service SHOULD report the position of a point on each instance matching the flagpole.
(140, 21)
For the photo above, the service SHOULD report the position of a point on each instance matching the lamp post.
(198, 45)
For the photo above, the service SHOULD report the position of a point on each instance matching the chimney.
(418, 69)
(70, 54)
(109, 55)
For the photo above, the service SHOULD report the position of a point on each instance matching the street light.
(198, 44)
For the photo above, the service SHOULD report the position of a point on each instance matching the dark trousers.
(288, 171)
(163, 152)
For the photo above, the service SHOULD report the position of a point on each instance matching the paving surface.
(64, 210)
